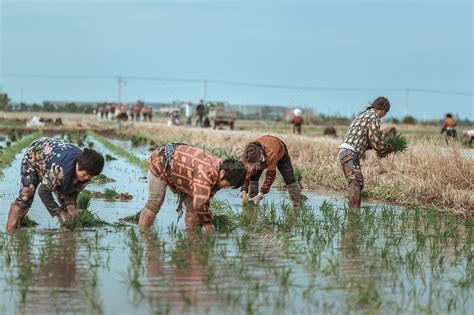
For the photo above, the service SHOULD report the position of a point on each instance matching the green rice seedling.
(224, 218)
(27, 222)
(109, 157)
(138, 140)
(121, 151)
(86, 219)
(298, 174)
(102, 179)
(398, 142)
(367, 294)
(83, 200)
(13, 135)
(110, 194)
(242, 242)
(283, 276)
(134, 218)
(9, 154)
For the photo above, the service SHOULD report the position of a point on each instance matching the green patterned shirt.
(364, 134)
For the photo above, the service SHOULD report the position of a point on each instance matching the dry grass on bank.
(430, 173)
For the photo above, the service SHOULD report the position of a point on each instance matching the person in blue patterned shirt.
(58, 166)
(363, 134)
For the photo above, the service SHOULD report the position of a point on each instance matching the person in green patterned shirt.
(363, 134)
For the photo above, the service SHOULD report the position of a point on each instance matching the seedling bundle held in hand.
(85, 218)
(398, 142)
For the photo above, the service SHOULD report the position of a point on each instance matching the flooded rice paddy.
(325, 259)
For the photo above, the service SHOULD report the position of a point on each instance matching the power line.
(233, 83)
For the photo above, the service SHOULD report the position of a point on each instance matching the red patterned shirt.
(192, 171)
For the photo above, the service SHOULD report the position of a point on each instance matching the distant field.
(413, 132)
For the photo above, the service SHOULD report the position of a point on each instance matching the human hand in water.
(256, 200)
(209, 228)
(72, 212)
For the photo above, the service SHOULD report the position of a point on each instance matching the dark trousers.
(284, 167)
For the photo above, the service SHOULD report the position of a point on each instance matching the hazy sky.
(381, 48)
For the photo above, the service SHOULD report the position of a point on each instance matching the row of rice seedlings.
(7, 155)
(109, 157)
(110, 194)
(14, 135)
(130, 157)
(368, 223)
(141, 139)
(79, 138)
(102, 179)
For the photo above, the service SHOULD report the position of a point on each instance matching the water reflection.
(179, 284)
(54, 279)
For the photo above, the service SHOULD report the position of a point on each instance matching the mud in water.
(329, 260)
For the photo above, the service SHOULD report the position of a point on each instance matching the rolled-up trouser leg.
(350, 164)
(156, 193)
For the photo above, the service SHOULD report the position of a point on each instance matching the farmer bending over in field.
(270, 153)
(57, 166)
(195, 175)
(449, 125)
(363, 134)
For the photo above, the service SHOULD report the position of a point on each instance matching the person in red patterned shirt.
(195, 175)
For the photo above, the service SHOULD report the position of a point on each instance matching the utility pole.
(205, 90)
(119, 89)
(124, 91)
(407, 92)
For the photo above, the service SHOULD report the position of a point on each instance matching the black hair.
(253, 153)
(234, 172)
(380, 103)
(91, 161)
(448, 115)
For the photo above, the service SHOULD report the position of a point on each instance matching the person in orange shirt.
(270, 153)
(449, 125)
(297, 121)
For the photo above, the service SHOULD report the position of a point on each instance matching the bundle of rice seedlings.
(85, 219)
(110, 194)
(27, 222)
(83, 200)
(132, 218)
(109, 157)
(223, 217)
(298, 174)
(398, 142)
(102, 179)
(138, 140)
